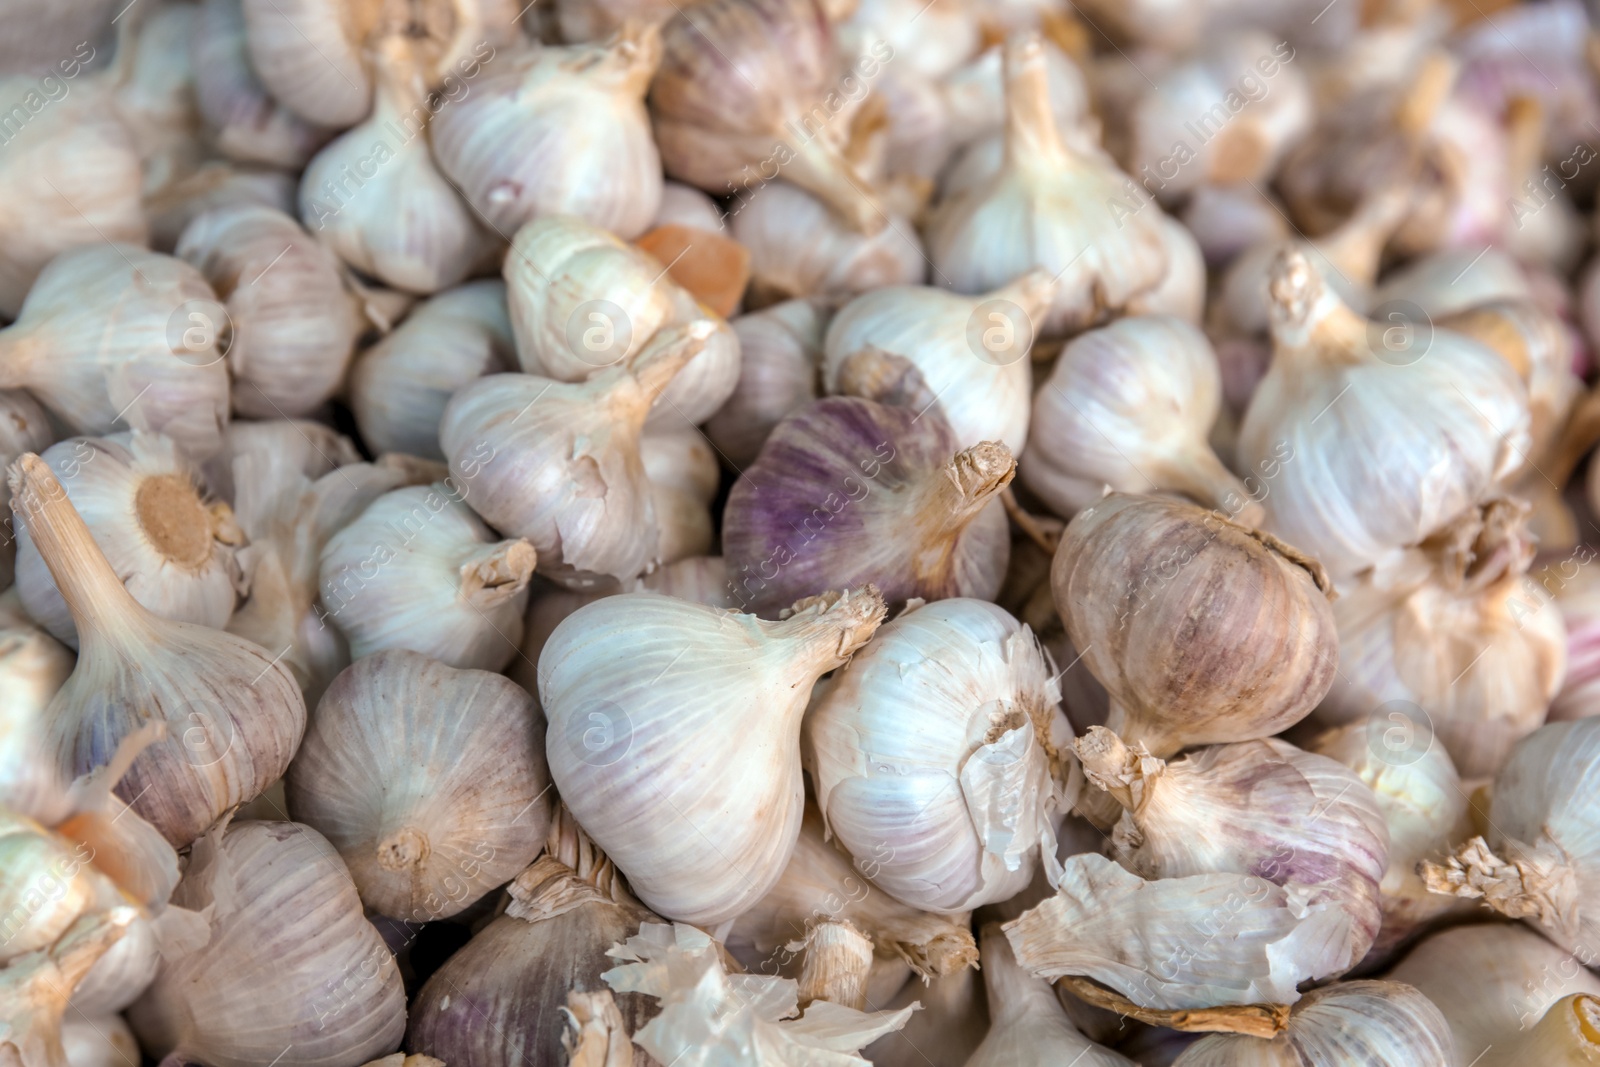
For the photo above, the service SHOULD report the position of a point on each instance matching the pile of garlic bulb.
(762, 533)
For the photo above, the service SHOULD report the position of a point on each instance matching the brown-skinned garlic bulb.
(1380, 1024)
(399, 387)
(850, 492)
(1130, 406)
(1538, 860)
(376, 197)
(722, 122)
(24, 427)
(780, 356)
(173, 550)
(282, 913)
(233, 714)
(1449, 635)
(115, 334)
(1449, 414)
(430, 781)
(581, 300)
(1131, 571)
(419, 570)
(294, 326)
(967, 356)
(1051, 206)
(560, 131)
(591, 516)
(330, 84)
(625, 757)
(966, 798)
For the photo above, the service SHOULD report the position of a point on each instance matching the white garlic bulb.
(975, 95)
(212, 186)
(934, 42)
(24, 427)
(113, 333)
(328, 83)
(1130, 406)
(702, 579)
(581, 300)
(419, 570)
(952, 1023)
(919, 347)
(294, 325)
(698, 803)
(559, 463)
(1181, 293)
(291, 967)
(101, 1041)
(154, 95)
(33, 667)
(684, 205)
(939, 741)
(779, 370)
(559, 131)
(172, 549)
(376, 197)
(684, 477)
(1447, 413)
(429, 781)
(1453, 280)
(1228, 219)
(1050, 206)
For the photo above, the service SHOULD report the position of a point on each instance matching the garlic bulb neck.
(831, 627)
(965, 486)
(1128, 774)
(1355, 249)
(569, 845)
(1536, 883)
(1486, 547)
(494, 574)
(668, 352)
(1309, 320)
(837, 965)
(626, 62)
(1032, 138)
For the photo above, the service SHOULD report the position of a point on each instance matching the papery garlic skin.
(937, 744)
(173, 550)
(563, 131)
(419, 570)
(627, 751)
(1449, 415)
(24, 427)
(113, 333)
(780, 359)
(332, 86)
(850, 492)
(1130, 406)
(284, 918)
(430, 781)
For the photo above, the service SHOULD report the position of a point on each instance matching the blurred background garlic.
(171, 548)
(1130, 406)
(419, 570)
(684, 205)
(1133, 570)
(1226, 220)
(153, 94)
(780, 359)
(330, 84)
(938, 742)
(283, 918)
(1453, 280)
(24, 427)
(627, 751)
(214, 185)
(430, 781)
(849, 492)
(294, 326)
(974, 97)
(559, 131)
(232, 715)
(1449, 416)
(112, 333)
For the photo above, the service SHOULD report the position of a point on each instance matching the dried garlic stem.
(1043, 531)
(1537, 884)
(493, 574)
(837, 965)
(1126, 773)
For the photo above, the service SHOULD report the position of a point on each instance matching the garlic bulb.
(1449, 415)
(291, 967)
(172, 550)
(594, 20)
(738, 92)
(329, 83)
(1448, 636)
(1129, 406)
(419, 570)
(295, 327)
(850, 492)
(710, 1018)
(103, 1041)
(823, 883)
(233, 713)
(1182, 292)
(780, 355)
(627, 752)
(1569, 1033)
(154, 94)
(1131, 571)
(212, 186)
(399, 387)
(376, 197)
(113, 333)
(1493, 983)
(33, 667)
(582, 300)
(919, 347)
(1539, 860)
(1453, 280)
(798, 247)
(1228, 219)
(559, 463)
(1379, 1024)
(561, 131)
(24, 427)
(1053, 206)
(975, 96)
(933, 42)
(684, 205)
(429, 781)
(1026, 1022)
(497, 1001)
(702, 579)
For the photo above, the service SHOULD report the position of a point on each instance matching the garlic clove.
(328, 84)
(780, 355)
(624, 756)
(1131, 571)
(917, 516)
